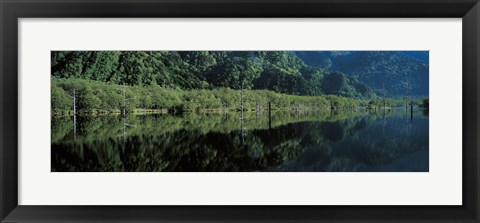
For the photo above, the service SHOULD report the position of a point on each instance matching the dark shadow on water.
(310, 141)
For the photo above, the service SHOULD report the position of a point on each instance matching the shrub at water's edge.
(94, 97)
(98, 97)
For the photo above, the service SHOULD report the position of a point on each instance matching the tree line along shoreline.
(96, 97)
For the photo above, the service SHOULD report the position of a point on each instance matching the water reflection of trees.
(368, 149)
(213, 142)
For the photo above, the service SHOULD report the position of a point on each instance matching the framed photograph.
(228, 111)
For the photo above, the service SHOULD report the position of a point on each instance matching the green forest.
(188, 81)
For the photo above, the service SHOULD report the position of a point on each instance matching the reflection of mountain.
(390, 141)
(216, 142)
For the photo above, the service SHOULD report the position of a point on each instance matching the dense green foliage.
(278, 71)
(96, 95)
(389, 102)
(398, 72)
(317, 120)
(202, 80)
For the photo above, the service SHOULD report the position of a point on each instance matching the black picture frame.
(12, 10)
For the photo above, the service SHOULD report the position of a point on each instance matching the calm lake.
(328, 141)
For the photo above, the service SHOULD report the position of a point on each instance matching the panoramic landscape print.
(239, 111)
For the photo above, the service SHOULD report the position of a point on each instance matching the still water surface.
(315, 141)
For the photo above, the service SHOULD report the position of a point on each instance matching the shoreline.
(118, 112)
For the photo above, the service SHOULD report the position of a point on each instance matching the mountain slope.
(278, 71)
(397, 72)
